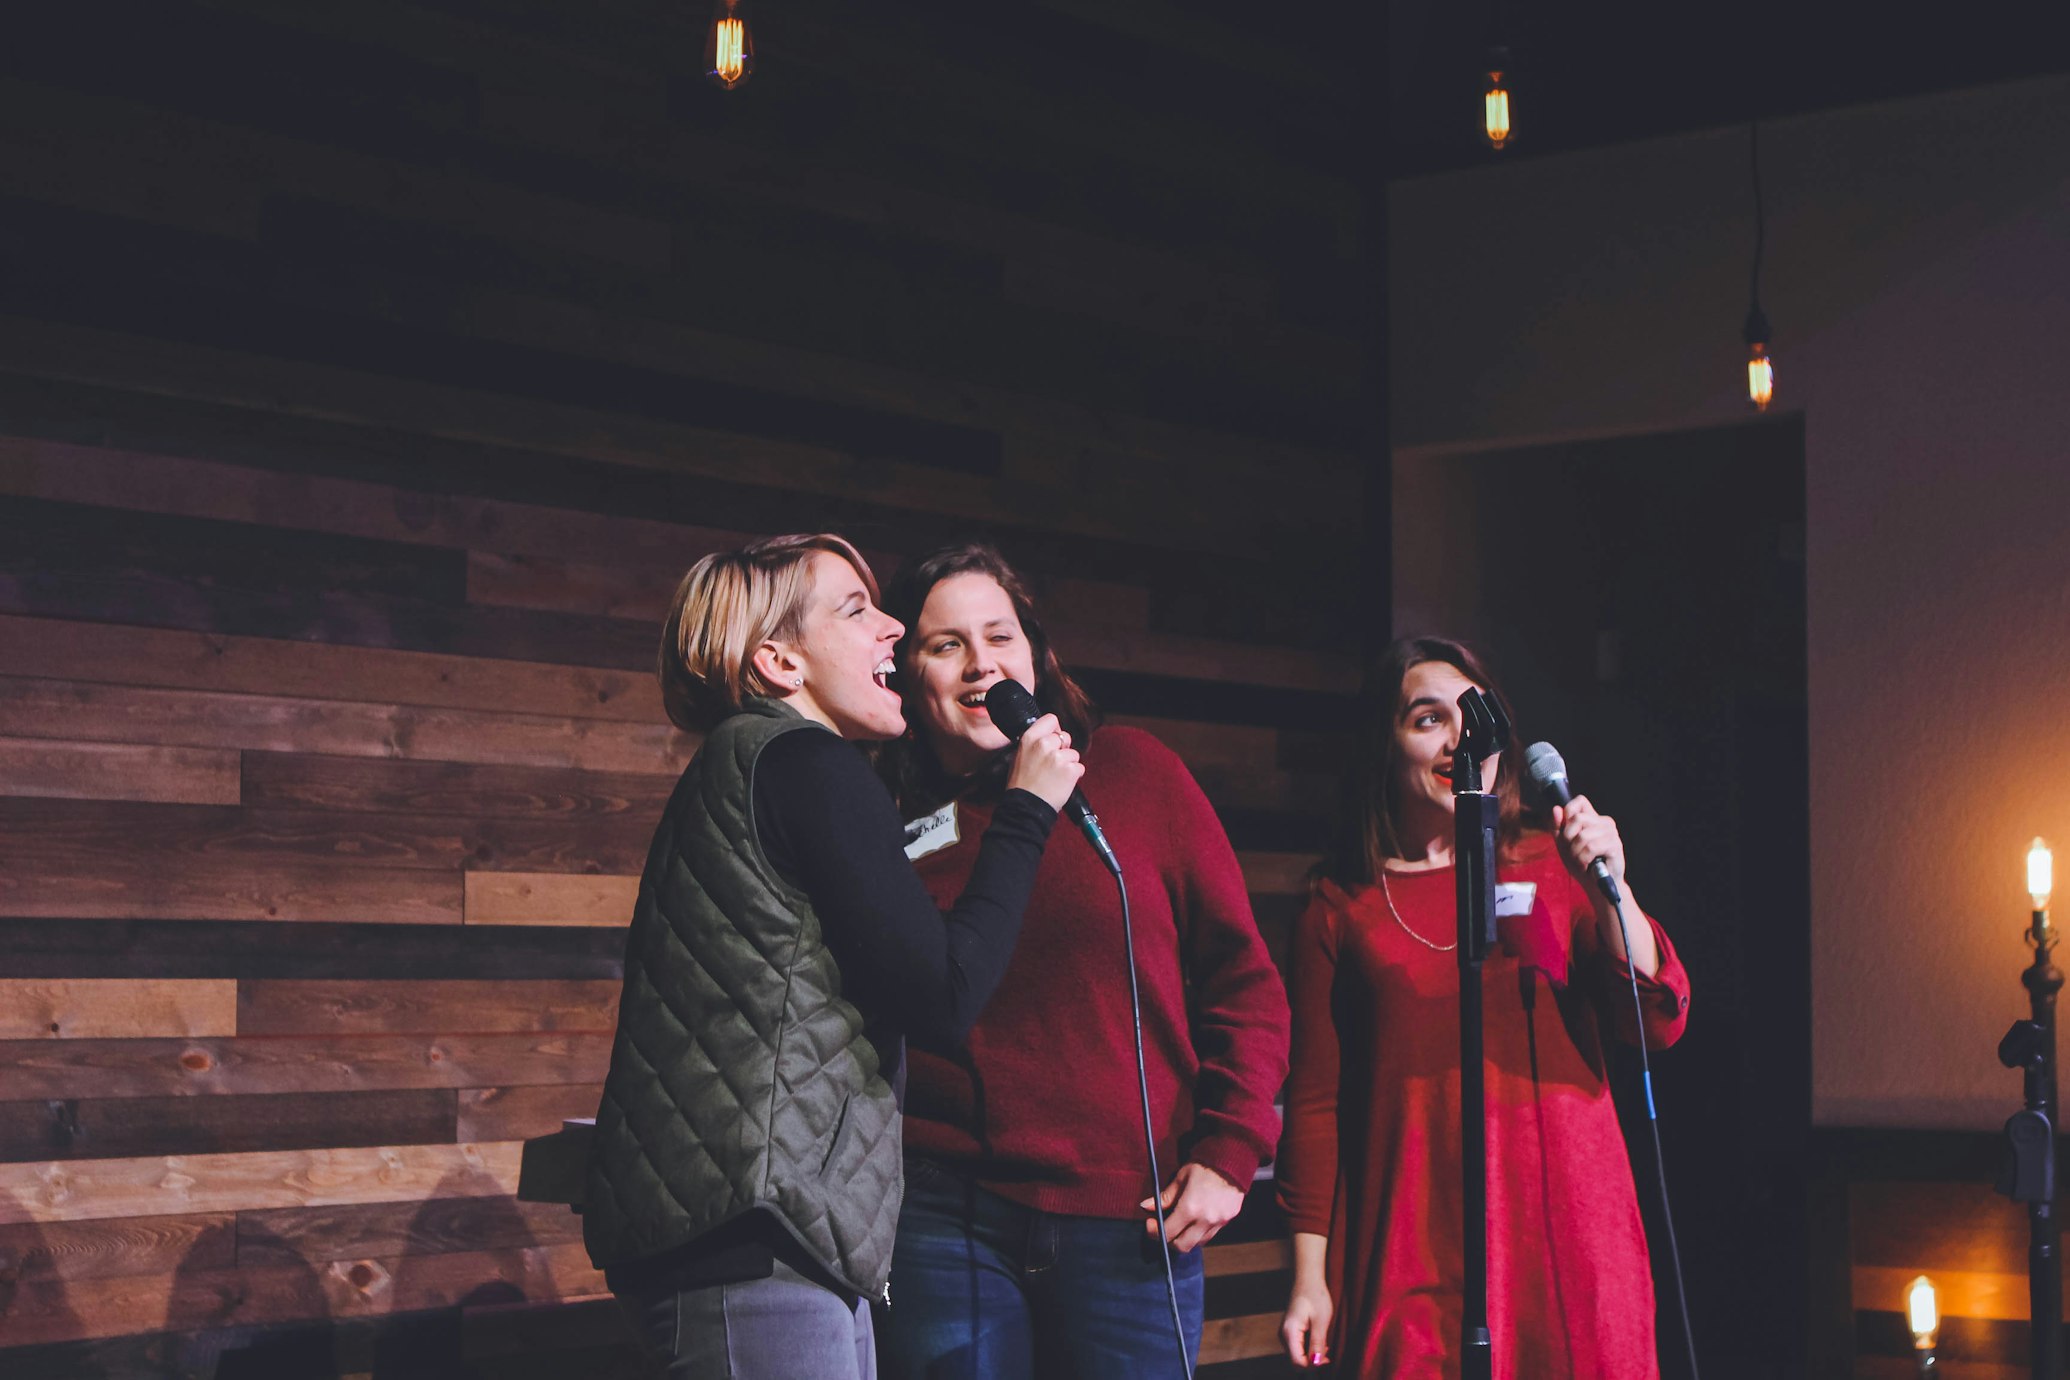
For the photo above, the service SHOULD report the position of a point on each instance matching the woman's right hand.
(1046, 765)
(1305, 1327)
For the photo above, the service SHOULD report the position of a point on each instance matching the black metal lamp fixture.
(2028, 1172)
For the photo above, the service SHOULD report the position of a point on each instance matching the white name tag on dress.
(931, 833)
(1515, 898)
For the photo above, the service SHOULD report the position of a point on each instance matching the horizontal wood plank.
(1248, 1257)
(83, 1009)
(524, 1112)
(89, 355)
(60, 1252)
(157, 1186)
(57, 1069)
(431, 1006)
(279, 668)
(52, 835)
(1963, 1293)
(117, 771)
(433, 1226)
(469, 789)
(297, 949)
(1936, 1226)
(1117, 645)
(31, 467)
(546, 898)
(34, 707)
(260, 1295)
(1240, 1338)
(127, 1127)
(209, 889)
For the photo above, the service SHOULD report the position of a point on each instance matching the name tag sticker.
(1514, 898)
(932, 833)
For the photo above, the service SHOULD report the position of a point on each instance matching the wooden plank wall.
(369, 373)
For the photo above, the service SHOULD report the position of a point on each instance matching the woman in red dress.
(1369, 1169)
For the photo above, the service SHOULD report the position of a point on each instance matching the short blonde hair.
(729, 604)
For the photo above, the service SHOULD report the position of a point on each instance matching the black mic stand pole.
(1484, 730)
(2029, 1175)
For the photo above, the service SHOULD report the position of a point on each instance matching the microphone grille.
(1543, 764)
(1012, 708)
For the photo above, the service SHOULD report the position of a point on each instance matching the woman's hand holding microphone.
(1046, 764)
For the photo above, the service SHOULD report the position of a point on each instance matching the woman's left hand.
(1586, 836)
(1197, 1203)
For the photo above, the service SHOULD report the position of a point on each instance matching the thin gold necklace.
(1441, 948)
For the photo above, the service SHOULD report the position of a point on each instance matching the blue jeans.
(985, 1289)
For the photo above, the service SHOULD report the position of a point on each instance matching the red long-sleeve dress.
(1371, 1154)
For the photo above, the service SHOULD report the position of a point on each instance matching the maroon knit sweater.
(1042, 1106)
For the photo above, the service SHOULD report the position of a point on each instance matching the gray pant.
(785, 1327)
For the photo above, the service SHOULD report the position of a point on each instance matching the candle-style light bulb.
(1495, 101)
(2041, 873)
(1760, 377)
(1760, 365)
(729, 47)
(1922, 1312)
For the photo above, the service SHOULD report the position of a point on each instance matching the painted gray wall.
(1918, 277)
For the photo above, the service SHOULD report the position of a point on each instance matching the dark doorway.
(1643, 599)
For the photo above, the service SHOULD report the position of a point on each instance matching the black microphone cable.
(1549, 772)
(1012, 709)
(1135, 1004)
(1667, 1211)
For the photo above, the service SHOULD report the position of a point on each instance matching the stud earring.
(798, 684)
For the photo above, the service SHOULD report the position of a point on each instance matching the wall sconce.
(2041, 877)
(1495, 99)
(1923, 1316)
(729, 49)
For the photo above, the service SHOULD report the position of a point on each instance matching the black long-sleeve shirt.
(828, 826)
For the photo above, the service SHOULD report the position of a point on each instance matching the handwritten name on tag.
(931, 833)
(1514, 898)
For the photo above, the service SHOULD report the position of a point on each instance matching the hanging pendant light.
(1760, 364)
(1495, 99)
(729, 47)
(1760, 368)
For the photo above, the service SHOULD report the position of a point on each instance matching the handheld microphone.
(1012, 709)
(1548, 772)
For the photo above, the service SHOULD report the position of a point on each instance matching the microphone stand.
(1476, 819)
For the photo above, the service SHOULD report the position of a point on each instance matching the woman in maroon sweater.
(1026, 1246)
(1369, 1173)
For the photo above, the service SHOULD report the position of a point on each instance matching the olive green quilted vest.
(739, 1075)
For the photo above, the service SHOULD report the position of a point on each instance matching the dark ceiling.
(1594, 72)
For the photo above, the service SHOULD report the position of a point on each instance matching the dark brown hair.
(908, 764)
(729, 604)
(1368, 830)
